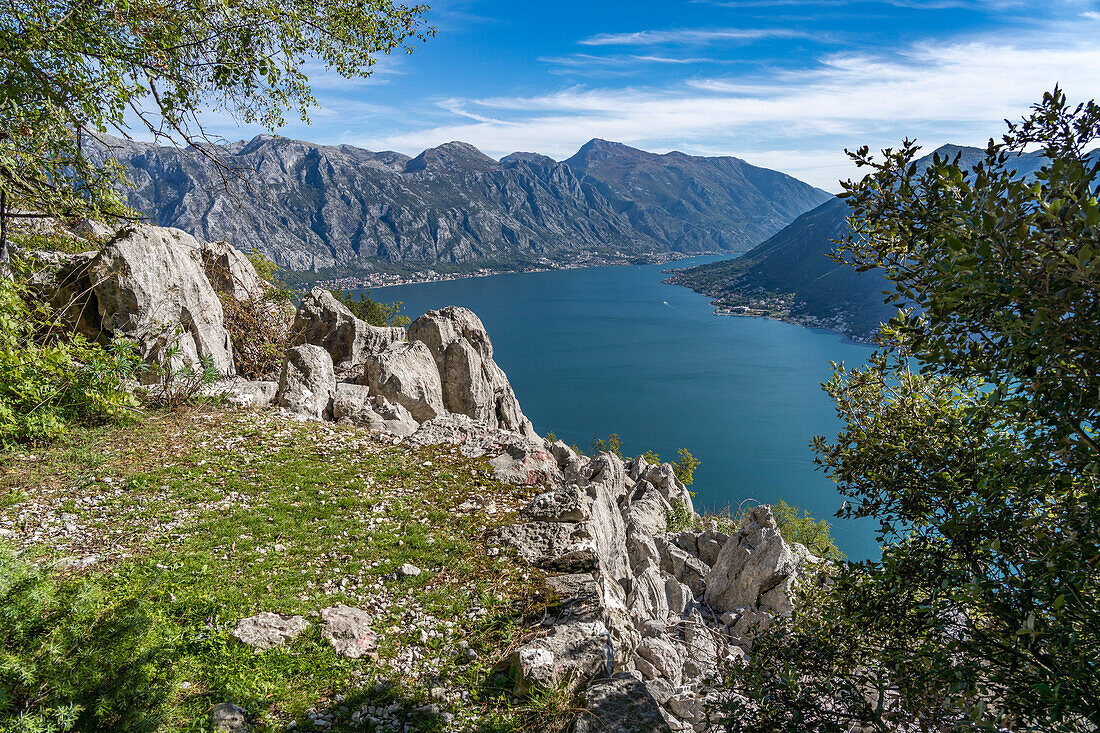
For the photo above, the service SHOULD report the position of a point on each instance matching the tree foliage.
(972, 438)
(374, 312)
(70, 69)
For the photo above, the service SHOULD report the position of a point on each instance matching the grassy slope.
(213, 515)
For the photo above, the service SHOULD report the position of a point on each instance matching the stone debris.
(268, 630)
(408, 570)
(348, 630)
(228, 718)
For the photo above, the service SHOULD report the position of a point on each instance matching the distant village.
(542, 264)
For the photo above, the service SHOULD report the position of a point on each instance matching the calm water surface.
(612, 350)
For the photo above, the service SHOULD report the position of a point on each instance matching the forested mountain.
(792, 275)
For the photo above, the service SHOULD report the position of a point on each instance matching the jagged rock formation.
(472, 383)
(146, 284)
(351, 371)
(324, 321)
(310, 206)
(646, 618)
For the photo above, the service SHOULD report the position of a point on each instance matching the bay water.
(605, 350)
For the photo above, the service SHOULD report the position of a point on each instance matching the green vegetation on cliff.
(981, 468)
(141, 547)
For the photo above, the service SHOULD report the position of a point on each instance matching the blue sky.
(781, 83)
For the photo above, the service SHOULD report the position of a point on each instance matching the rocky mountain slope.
(599, 598)
(341, 208)
(791, 275)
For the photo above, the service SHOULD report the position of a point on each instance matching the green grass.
(204, 517)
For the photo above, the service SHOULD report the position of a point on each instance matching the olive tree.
(70, 69)
(971, 437)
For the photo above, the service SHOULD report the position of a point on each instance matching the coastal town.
(542, 264)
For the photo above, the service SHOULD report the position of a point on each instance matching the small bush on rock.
(260, 331)
(372, 311)
(799, 526)
(258, 326)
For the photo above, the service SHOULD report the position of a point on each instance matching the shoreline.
(386, 280)
(725, 308)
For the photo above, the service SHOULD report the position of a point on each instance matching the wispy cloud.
(946, 92)
(689, 36)
(584, 64)
(916, 4)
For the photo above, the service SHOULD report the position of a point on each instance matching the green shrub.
(372, 311)
(265, 268)
(799, 526)
(47, 383)
(74, 657)
(679, 518)
(613, 444)
(685, 467)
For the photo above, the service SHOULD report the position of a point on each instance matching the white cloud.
(689, 36)
(944, 92)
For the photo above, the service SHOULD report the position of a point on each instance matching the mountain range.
(342, 209)
(792, 270)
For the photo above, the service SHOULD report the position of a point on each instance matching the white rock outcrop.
(405, 374)
(307, 385)
(324, 321)
(754, 569)
(472, 382)
(148, 284)
(231, 272)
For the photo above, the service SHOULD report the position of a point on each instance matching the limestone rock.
(621, 704)
(246, 393)
(408, 570)
(749, 623)
(228, 718)
(268, 630)
(307, 384)
(476, 439)
(568, 656)
(665, 657)
(405, 374)
(472, 382)
(579, 597)
(648, 599)
(323, 321)
(671, 488)
(526, 462)
(354, 404)
(751, 564)
(683, 566)
(348, 630)
(564, 546)
(231, 272)
(559, 505)
(149, 286)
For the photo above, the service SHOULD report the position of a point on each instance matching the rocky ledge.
(645, 619)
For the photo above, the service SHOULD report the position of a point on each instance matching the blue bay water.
(613, 350)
